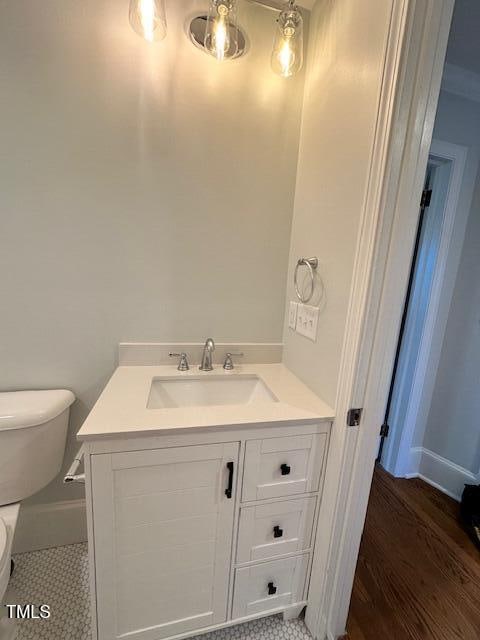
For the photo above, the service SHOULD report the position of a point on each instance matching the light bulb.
(221, 38)
(287, 55)
(148, 19)
(221, 33)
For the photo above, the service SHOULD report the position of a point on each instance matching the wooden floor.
(418, 574)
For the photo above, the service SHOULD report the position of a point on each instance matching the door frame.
(399, 459)
(414, 62)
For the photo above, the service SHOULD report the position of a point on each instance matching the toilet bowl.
(33, 431)
(5, 554)
(8, 523)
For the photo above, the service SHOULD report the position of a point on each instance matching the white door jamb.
(413, 70)
(428, 350)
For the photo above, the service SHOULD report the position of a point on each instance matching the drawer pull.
(228, 490)
(277, 532)
(272, 589)
(285, 469)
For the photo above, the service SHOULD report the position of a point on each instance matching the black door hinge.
(384, 429)
(353, 417)
(426, 198)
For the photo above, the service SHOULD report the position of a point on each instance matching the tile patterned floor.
(59, 577)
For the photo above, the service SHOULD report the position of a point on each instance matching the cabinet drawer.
(270, 530)
(276, 467)
(267, 586)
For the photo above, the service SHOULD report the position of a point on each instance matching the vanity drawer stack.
(278, 506)
(189, 533)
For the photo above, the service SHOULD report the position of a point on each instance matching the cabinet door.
(163, 532)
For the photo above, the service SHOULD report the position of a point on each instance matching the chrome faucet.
(183, 362)
(208, 349)
(228, 363)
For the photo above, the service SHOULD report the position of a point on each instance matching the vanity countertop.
(121, 410)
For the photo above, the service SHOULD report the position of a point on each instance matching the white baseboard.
(41, 526)
(439, 472)
(414, 461)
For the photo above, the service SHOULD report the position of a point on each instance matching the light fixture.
(148, 19)
(287, 55)
(219, 35)
(221, 32)
(197, 30)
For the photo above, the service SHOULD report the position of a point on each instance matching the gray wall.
(335, 147)
(453, 427)
(139, 189)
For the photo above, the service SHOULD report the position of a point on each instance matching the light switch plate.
(307, 321)
(292, 315)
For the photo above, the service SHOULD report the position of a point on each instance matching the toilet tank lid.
(29, 408)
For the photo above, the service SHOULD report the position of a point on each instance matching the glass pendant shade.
(221, 33)
(287, 55)
(148, 19)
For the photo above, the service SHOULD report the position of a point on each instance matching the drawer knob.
(277, 532)
(272, 589)
(285, 469)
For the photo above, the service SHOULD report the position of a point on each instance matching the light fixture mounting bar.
(275, 5)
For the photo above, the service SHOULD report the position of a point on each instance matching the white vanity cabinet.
(198, 531)
(163, 534)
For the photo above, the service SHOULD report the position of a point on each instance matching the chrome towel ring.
(311, 264)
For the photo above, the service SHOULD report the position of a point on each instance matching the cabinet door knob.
(277, 532)
(285, 469)
(272, 589)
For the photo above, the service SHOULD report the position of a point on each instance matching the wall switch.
(307, 321)
(292, 315)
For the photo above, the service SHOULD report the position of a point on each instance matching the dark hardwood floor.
(418, 573)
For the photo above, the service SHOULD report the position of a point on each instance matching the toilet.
(33, 431)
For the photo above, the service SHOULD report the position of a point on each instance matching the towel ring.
(311, 264)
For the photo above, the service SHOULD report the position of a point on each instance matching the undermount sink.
(206, 391)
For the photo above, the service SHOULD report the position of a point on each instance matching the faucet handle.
(228, 364)
(183, 362)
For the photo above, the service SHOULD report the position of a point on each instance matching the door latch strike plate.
(353, 417)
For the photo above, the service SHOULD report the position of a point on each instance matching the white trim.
(55, 524)
(380, 279)
(329, 593)
(462, 82)
(441, 473)
(428, 349)
(414, 462)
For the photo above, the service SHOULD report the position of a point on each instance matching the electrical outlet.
(292, 315)
(307, 321)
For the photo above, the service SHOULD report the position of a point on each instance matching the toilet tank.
(33, 431)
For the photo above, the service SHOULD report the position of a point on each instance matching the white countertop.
(121, 410)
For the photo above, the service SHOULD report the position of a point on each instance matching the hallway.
(418, 574)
